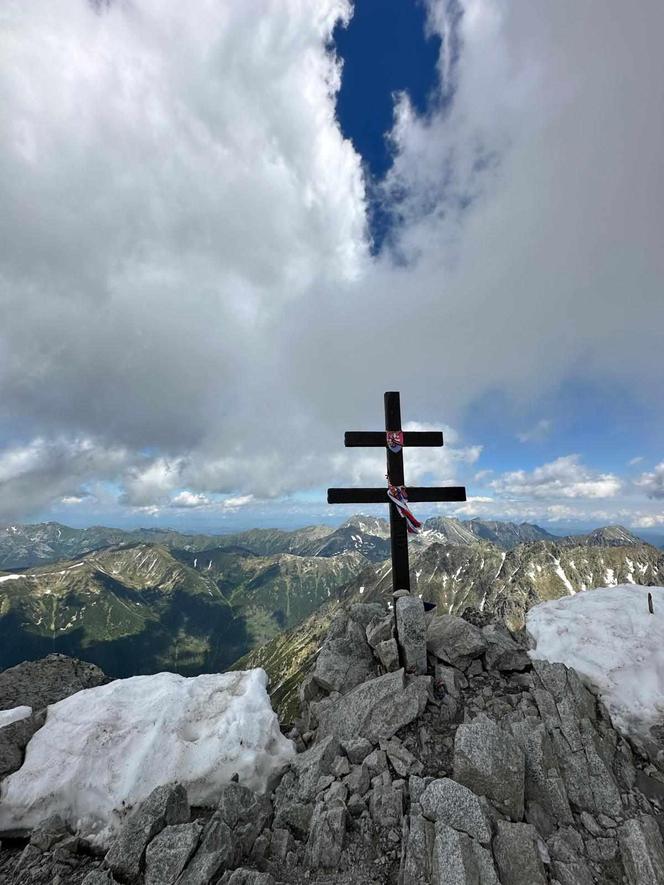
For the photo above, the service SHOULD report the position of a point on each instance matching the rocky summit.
(431, 751)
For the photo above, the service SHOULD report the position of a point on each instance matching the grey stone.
(451, 679)
(357, 749)
(337, 791)
(378, 708)
(416, 857)
(544, 782)
(358, 781)
(517, 855)
(453, 804)
(386, 802)
(246, 813)
(340, 766)
(642, 851)
(326, 836)
(488, 760)
(49, 832)
(454, 640)
(503, 653)
(247, 877)
(380, 629)
(13, 740)
(310, 765)
(169, 852)
(356, 805)
(387, 653)
(364, 613)
(99, 877)
(215, 853)
(412, 633)
(165, 806)
(281, 843)
(345, 662)
(402, 760)
(294, 816)
(376, 762)
(38, 684)
(453, 859)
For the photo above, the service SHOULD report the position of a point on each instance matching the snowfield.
(609, 637)
(105, 749)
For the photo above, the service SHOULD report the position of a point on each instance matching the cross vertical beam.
(398, 530)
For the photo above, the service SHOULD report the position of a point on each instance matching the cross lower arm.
(379, 496)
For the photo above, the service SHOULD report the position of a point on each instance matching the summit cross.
(393, 439)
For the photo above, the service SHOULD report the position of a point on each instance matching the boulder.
(309, 766)
(38, 684)
(363, 613)
(345, 662)
(642, 851)
(169, 852)
(380, 629)
(165, 806)
(517, 855)
(503, 653)
(14, 739)
(488, 760)
(246, 877)
(458, 807)
(377, 708)
(99, 877)
(453, 860)
(326, 835)
(357, 749)
(412, 633)
(455, 641)
(387, 653)
(386, 802)
(246, 814)
(214, 854)
(417, 853)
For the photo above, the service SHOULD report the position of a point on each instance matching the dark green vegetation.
(144, 601)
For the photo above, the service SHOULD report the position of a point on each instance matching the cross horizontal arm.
(355, 438)
(379, 496)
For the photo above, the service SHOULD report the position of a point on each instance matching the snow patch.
(9, 578)
(14, 715)
(609, 637)
(105, 749)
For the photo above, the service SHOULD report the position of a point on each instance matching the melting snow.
(9, 578)
(611, 639)
(563, 577)
(110, 746)
(9, 716)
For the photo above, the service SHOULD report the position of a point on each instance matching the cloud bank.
(190, 308)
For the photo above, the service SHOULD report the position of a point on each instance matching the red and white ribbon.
(398, 496)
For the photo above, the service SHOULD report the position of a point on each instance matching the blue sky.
(215, 260)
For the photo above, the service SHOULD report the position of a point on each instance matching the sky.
(228, 228)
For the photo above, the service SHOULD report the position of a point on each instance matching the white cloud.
(536, 433)
(653, 482)
(565, 477)
(188, 499)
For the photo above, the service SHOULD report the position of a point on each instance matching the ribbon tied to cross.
(398, 496)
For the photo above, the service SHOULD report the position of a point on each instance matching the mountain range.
(147, 600)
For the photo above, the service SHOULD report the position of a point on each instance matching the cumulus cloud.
(185, 273)
(566, 477)
(653, 483)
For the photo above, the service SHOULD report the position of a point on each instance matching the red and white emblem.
(395, 440)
